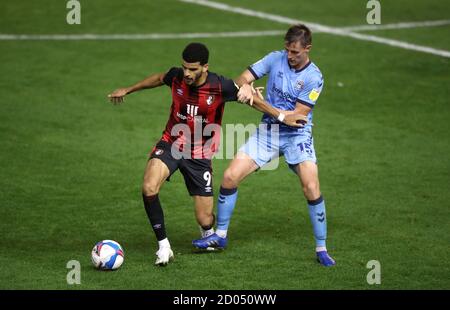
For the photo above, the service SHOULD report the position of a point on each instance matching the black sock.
(155, 215)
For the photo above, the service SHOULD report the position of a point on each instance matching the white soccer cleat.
(163, 255)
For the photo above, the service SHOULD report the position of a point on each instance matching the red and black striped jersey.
(196, 112)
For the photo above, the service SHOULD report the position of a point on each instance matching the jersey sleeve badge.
(314, 94)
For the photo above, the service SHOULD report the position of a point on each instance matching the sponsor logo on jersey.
(192, 110)
(159, 152)
(180, 91)
(284, 95)
(197, 119)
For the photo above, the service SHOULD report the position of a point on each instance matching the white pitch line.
(320, 28)
(404, 25)
(194, 35)
(231, 34)
(148, 36)
(396, 43)
(248, 12)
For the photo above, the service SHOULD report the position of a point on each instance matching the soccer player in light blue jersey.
(294, 84)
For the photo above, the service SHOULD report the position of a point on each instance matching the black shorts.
(197, 173)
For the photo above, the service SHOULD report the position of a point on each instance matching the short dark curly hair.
(196, 52)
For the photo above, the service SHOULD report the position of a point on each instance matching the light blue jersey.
(285, 89)
(286, 86)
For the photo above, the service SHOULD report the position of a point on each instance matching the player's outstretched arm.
(152, 81)
(290, 118)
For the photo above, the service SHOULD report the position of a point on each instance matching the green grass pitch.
(72, 164)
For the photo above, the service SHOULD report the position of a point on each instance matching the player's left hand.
(117, 96)
(295, 120)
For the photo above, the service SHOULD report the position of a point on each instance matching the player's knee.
(230, 179)
(150, 188)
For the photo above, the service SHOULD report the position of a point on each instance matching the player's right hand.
(245, 94)
(117, 96)
(295, 119)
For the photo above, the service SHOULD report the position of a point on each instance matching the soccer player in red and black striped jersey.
(191, 137)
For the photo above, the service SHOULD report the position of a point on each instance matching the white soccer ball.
(107, 255)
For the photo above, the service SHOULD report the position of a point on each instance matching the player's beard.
(189, 81)
(192, 81)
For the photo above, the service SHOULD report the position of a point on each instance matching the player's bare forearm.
(293, 119)
(260, 105)
(302, 109)
(152, 81)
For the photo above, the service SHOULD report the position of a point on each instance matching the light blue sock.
(226, 202)
(318, 218)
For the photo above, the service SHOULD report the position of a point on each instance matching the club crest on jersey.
(299, 85)
(159, 152)
(210, 100)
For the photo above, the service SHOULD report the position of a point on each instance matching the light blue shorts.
(269, 142)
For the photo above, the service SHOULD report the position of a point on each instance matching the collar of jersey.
(306, 66)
